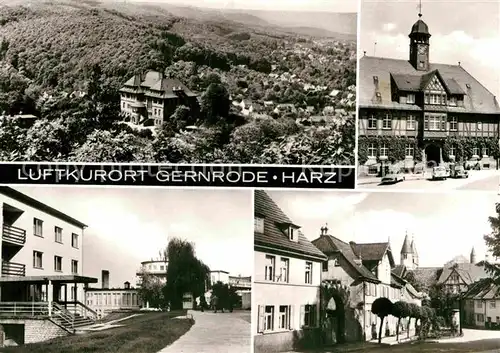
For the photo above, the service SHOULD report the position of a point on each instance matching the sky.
(461, 30)
(276, 5)
(130, 225)
(443, 225)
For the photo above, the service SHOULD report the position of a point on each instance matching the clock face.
(422, 49)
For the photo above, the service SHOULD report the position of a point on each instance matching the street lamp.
(382, 165)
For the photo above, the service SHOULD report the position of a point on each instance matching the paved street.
(215, 333)
(478, 180)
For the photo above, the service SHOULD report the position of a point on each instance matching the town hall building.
(418, 113)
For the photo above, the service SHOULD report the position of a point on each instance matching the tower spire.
(420, 8)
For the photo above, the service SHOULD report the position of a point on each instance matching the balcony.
(13, 269)
(13, 235)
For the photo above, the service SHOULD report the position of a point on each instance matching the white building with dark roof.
(151, 98)
(287, 279)
(415, 111)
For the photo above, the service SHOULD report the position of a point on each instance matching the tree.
(185, 272)
(151, 290)
(381, 307)
(493, 243)
(215, 103)
(400, 309)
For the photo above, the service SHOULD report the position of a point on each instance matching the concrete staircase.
(72, 318)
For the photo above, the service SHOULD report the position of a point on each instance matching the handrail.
(13, 269)
(81, 309)
(13, 234)
(24, 308)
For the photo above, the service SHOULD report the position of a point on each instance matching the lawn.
(147, 333)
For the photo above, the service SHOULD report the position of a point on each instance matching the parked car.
(439, 173)
(459, 172)
(393, 177)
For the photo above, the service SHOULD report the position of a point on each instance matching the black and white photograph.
(137, 270)
(221, 81)
(428, 87)
(376, 272)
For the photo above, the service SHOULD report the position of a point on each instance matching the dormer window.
(410, 98)
(258, 224)
(291, 233)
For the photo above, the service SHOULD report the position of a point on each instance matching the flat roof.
(27, 200)
(90, 289)
(46, 279)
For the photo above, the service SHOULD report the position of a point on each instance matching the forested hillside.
(64, 61)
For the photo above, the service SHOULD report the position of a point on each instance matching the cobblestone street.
(215, 333)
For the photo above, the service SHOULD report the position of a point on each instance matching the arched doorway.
(335, 314)
(432, 155)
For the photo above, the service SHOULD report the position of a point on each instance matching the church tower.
(407, 254)
(414, 252)
(473, 256)
(419, 44)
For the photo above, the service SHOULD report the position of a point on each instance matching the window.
(434, 122)
(74, 266)
(74, 240)
(291, 233)
(479, 126)
(453, 123)
(493, 304)
(58, 263)
(387, 121)
(479, 304)
(410, 122)
(324, 266)
(452, 101)
(336, 263)
(309, 315)
(453, 150)
(258, 225)
(38, 227)
(37, 259)
(284, 317)
(58, 234)
(484, 151)
(269, 318)
(409, 150)
(308, 273)
(284, 270)
(162, 268)
(372, 150)
(421, 64)
(384, 150)
(410, 98)
(480, 317)
(372, 122)
(475, 151)
(270, 261)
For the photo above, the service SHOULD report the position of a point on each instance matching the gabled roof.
(482, 289)
(372, 251)
(273, 236)
(156, 81)
(477, 98)
(469, 273)
(399, 270)
(426, 276)
(329, 244)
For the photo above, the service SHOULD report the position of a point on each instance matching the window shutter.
(290, 317)
(260, 322)
(302, 316)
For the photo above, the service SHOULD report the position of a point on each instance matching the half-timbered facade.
(413, 111)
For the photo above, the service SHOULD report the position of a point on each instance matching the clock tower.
(419, 45)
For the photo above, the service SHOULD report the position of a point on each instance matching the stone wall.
(36, 330)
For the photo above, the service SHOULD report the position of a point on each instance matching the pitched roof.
(372, 251)
(155, 81)
(468, 272)
(399, 270)
(273, 236)
(426, 276)
(477, 98)
(482, 289)
(406, 248)
(329, 244)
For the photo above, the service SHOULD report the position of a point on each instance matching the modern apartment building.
(156, 270)
(151, 98)
(41, 283)
(287, 279)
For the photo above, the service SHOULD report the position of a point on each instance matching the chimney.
(126, 285)
(105, 279)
